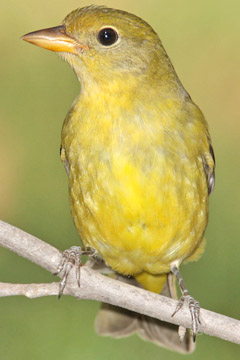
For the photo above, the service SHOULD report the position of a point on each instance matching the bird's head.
(104, 44)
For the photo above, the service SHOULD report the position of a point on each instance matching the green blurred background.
(37, 89)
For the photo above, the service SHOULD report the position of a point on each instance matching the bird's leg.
(72, 257)
(194, 306)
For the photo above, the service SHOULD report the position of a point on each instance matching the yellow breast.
(137, 185)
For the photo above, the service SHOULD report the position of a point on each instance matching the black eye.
(107, 36)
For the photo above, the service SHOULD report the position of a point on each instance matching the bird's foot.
(70, 258)
(193, 305)
(194, 308)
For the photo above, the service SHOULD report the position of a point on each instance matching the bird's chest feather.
(137, 197)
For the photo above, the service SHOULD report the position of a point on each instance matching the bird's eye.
(107, 36)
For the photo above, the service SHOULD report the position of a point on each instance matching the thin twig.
(29, 290)
(96, 286)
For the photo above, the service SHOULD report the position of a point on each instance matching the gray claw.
(72, 257)
(194, 308)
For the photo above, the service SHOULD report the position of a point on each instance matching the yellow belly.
(138, 189)
(138, 218)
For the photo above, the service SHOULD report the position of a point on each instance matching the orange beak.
(54, 39)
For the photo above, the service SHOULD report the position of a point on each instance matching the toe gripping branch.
(72, 257)
(193, 305)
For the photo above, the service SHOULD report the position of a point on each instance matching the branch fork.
(96, 286)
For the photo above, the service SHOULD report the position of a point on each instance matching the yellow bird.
(137, 152)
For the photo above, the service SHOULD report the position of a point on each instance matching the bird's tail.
(117, 322)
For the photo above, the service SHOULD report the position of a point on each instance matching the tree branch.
(29, 290)
(96, 286)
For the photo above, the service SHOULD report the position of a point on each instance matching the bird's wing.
(64, 159)
(209, 167)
